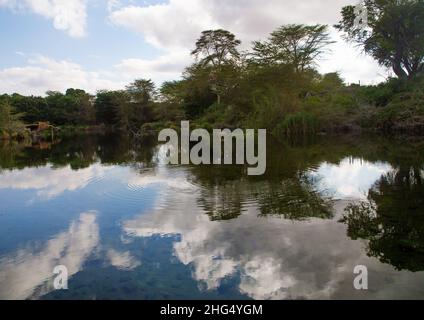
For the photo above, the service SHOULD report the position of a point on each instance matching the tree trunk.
(398, 70)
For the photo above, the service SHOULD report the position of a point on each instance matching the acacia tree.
(142, 90)
(394, 36)
(295, 44)
(217, 47)
(217, 50)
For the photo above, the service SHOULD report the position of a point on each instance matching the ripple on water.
(94, 179)
(126, 197)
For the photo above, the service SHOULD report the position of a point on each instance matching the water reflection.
(50, 182)
(28, 272)
(274, 258)
(352, 178)
(392, 219)
(175, 232)
(122, 260)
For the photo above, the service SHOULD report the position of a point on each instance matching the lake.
(127, 226)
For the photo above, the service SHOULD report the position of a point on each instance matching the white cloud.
(351, 179)
(174, 27)
(67, 15)
(274, 258)
(42, 74)
(166, 26)
(353, 64)
(122, 260)
(113, 4)
(165, 67)
(50, 182)
(262, 280)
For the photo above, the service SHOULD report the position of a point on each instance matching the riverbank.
(323, 105)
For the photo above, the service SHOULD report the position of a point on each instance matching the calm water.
(129, 227)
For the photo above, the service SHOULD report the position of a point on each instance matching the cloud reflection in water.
(28, 273)
(274, 258)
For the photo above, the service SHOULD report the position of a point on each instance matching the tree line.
(274, 85)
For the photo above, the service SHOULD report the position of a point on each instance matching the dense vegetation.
(275, 85)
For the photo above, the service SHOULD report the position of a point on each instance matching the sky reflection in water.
(150, 231)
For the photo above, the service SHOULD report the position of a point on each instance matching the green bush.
(297, 124)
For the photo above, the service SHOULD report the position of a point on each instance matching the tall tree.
(108, 106)
(394, 36)
(140, 111)
(216, 47)
(142, 90)
(295, 44)
(217, 50)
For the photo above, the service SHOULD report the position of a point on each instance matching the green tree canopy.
(9, 120)
(217, 47)
(295, 44)
(108, 104)
(394, 36)
(392, 219)
(142, 90)
(216, 53)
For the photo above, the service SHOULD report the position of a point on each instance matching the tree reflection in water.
(392, 219)
(273, 236)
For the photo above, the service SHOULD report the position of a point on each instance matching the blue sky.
(28, 33)
(105, 44)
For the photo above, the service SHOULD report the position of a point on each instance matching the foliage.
(296, 45)
(275, 86)
(108, 104)
(392, 219)
(398, 104)
(216, 52)
(216, 47)
(10, 124)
